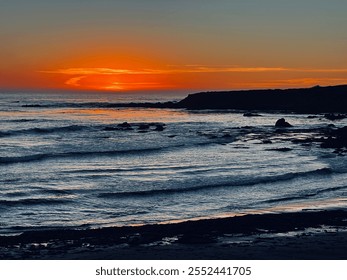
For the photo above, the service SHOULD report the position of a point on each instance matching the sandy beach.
(300, 235)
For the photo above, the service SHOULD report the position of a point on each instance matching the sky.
(131, 45)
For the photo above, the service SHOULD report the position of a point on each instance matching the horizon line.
(148, 91)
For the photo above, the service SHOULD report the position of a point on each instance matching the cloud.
(189, 69)
(91, 71)
(314, 81)
(110, 78)
(186, 69)
(338, 70)
(121, 85)
(74, 81)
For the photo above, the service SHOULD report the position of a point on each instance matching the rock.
(191, 238)
(159, 127)
(124, 125)
(331, 142)
(331, 125)
(282, 123)
(333, 117)
(341, 132)
(303, 141)
(144, 126)
(312, 100)
(337, 139)
(135, 239)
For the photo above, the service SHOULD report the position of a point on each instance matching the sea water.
(65, 163)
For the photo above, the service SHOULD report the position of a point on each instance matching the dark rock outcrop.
(144, 126)
(304, 100)
(159, 127)
(337, 139)
(124, 125)
(332, 99)
(282, 123)
(334, 117)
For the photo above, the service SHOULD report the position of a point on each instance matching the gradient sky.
(124, 45)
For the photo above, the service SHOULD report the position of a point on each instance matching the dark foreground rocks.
(241, 237)
(337, 139)
(334, 117)
(141, 127)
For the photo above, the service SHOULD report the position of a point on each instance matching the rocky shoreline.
(218, 238)
(331, 99)
(304, 100)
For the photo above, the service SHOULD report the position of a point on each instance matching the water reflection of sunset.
(126, 114)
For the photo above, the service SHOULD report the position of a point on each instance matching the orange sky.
(150, 45)
(192, 77)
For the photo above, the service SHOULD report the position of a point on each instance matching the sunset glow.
(127, 79)
(131, 46)
(186, 130)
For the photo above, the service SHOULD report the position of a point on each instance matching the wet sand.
(284, 236)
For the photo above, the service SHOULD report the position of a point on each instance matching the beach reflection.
(130, 114)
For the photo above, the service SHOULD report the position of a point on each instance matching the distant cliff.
(303, 100)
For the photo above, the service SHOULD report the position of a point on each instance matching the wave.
(56, 192)
(40, 130)
(32, 106)
(56, 129)
(34, 201)
(69, 128)
(38, 157)
(236, 183)
(4, 134)
(21, 120)
(7, 160)
(305, 195)
(138, 169)
(67, 105)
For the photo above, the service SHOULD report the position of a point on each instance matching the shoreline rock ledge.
(331, 99)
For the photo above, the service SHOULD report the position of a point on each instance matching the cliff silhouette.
(301, 100)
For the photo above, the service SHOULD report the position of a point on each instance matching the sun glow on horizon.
(194, 76)
(168, 45)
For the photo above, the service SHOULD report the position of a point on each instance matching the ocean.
(67, 160)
